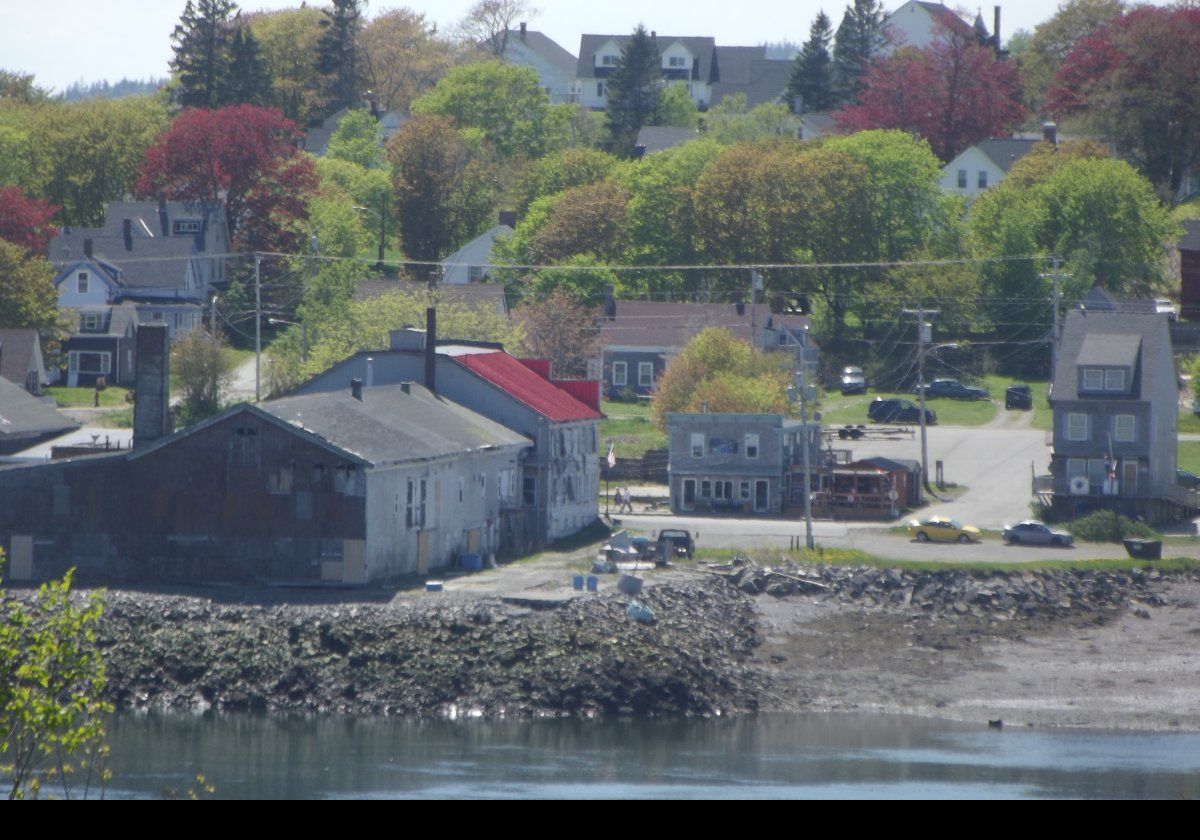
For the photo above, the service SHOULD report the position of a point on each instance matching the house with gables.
(1115, 399)
(554, 65)
(21, 360)
(689, 61)
(559, 474)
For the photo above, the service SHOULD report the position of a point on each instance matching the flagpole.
(609, 463)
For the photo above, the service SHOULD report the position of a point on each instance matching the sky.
(65, 41)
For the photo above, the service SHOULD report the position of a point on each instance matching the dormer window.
(676, 61)
(1093, 379)
(609, 60)
(186, 226)
(1114, 380)
(91, 323)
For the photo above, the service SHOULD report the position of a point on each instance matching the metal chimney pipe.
(431, 349)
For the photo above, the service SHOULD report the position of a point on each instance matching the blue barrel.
(593, 583)
(577, 581)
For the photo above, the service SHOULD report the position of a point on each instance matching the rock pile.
(996, 594)
(452, 657)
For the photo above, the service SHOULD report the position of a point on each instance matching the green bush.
(1109, 526)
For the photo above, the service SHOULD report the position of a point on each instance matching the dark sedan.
(952, 389)
(898, 411)
(1018, 396)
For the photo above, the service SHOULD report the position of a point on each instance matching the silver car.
(1033, 532)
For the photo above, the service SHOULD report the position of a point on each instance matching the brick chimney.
(431, 349)
(523, 32)
(164, 223)
(151, 405)
(127, 231)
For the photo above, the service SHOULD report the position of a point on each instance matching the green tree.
(634, 91)
(249, 81)
(20, 87)
(732, 121)
(503, 101)
(859, 39)
(204, 370)
(337, 54)
(51, 694)
(444, 190)
(718, 372)
(288, 42)
(357, 139)
(201, 46)
(558, 171)
(590, 219)
(1053, 39)
(27, 294)
(812, 81)
(678, 109)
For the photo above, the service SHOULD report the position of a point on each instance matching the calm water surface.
(767, 756)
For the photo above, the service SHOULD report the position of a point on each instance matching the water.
(767, 756)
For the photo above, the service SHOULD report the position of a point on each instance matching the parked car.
(1187, 479)
(1018, 396)
(943, 530)
(1163, 306)
(1033, 532)
(853, 381)
(893, 410)
(681, 541)
(953, 389)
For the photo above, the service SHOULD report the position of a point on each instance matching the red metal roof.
(513, 377)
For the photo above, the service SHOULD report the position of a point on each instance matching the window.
(609, 60)
(600, 88)
(745, 490)
(415, 515)
(983, 179)
(187, 226)
(1124, 428)
(79, 362)
(676, 61)
(706, 489)
(1093, 379)
(751, 446)
(620, 375)
(697, 444)
(529, 491)
(1077, 426)
(645, 374)
(1076, 467)
(1114, 380)
(962, 179)
(81, 283)
(476, 274)
(90, 323)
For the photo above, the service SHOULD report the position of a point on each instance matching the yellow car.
(941, 528)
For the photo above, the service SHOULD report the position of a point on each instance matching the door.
(689, 493)
(423, 553)
(762, 495)
(1129, 470)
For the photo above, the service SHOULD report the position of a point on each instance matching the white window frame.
(600, 88)
(1076, 467)
(1125, 428)
(983, 179)
(962, 179)
(1072, 430)
(698, 444)
(609, 60)
(620, 374)
(645, 374)
(751, 445)
(105, 362)
(676, 61)
(1114, 380)
(90, 321)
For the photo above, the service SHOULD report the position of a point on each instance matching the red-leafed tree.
(26, 221)
(244, 156)
(1137, 79)
(953, 93)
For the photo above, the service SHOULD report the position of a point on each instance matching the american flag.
(611, 460)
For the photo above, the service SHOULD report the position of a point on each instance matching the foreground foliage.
(51, 683)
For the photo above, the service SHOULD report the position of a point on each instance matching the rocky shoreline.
(740, 639)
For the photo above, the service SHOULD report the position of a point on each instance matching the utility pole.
(257, 329)
(1056, 276)
(382, 230)
(922, 339)
(802, 392)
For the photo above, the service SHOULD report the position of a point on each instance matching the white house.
(469, 264)
(982, 166)
(553, 64)
(685, 60)
(918, 23)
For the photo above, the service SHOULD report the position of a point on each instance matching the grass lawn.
(837, 410)
(113, 395)
(1188, 423)
(1043, 417)
(628, 425)
(1189, 456)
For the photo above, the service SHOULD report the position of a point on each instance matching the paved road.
(242, 386)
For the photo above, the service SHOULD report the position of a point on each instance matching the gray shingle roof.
(116, 319)
(1088, 335)
(642, 323)
(547, 48)
(704, 49)
(16, 354)
(1005, 151)
(24, 414)
(657, 138)
(748, 71)
(158, 263)
(392, 426)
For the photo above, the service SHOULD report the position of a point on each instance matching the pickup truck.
(676, 541)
